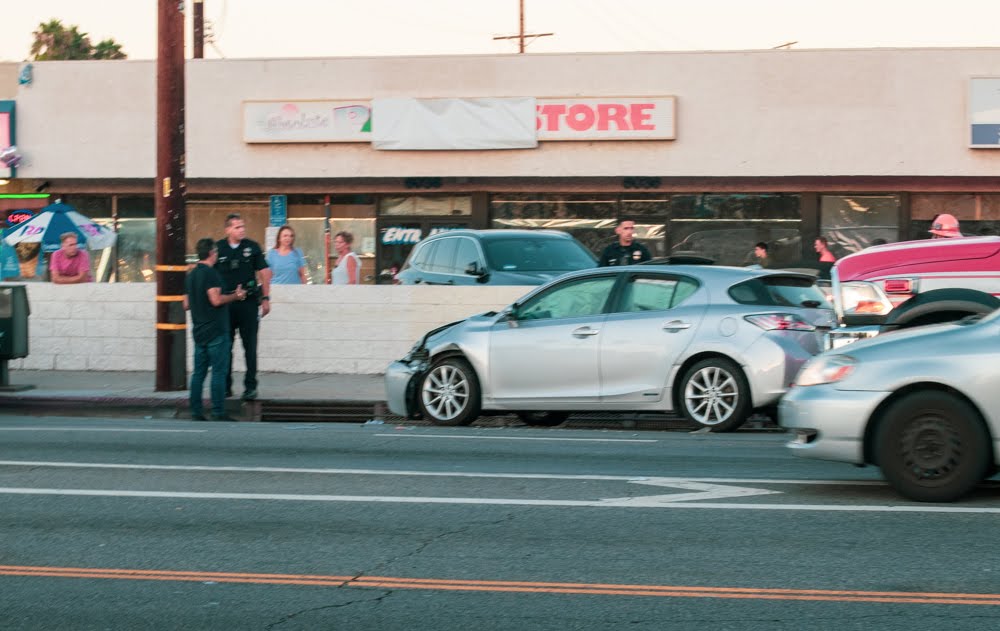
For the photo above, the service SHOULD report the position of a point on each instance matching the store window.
(977, 214)
(591, 219)
(853, 222)
(725, 227)
(416, 205)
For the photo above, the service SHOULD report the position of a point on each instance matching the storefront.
(720, 151)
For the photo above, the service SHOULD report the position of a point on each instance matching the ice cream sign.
(588, 118)
(306, 121)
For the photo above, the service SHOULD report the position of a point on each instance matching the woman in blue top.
(287, 263)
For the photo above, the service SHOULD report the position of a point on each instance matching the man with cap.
(944, 226)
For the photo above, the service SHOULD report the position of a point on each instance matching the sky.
(337, 28)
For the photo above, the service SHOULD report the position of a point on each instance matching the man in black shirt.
(241, 262)
(625, 250)
(210, 329)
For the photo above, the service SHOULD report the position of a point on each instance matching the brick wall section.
(311, 328)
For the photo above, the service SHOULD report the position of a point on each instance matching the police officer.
(241, 263)
(625, 250)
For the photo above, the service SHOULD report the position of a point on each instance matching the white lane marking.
(655, 503)
(578, 440)
(432, 474)
(98, 429)
(442, 474)
(700, 491)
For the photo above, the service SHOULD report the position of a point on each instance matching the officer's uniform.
(239, 266)
(618, 254)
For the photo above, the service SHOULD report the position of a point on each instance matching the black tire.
(933, 447)
(543, 419)
(449, 393)
(714, 393)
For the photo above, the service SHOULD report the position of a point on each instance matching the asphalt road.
(144, 524)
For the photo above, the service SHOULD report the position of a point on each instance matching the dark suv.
(494, 257)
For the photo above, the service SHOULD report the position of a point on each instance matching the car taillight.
(779, 322)
(898, 286)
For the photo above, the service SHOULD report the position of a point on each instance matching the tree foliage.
(55, 41)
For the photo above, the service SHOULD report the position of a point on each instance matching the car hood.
(502, 277)
(917, 342)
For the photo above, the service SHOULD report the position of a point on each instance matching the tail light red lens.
(779, 322)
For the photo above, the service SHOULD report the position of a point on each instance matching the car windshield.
(779, 291)
(536, 255)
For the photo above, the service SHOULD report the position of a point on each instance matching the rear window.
(536, 255)
(779, 291)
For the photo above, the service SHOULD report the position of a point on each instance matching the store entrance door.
(397, 238)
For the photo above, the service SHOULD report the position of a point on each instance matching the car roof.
(503, 233)
(721, 274)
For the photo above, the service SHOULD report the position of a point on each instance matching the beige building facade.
(777, 146)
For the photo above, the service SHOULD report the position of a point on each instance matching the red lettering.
(551, 114)
(580, 117)
(640, 116)
(608, 113)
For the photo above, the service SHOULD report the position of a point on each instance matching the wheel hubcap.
(931, 448)
(445, 392)
(711, 395)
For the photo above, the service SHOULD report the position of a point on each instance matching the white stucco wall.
(311, 328)
(750, 113)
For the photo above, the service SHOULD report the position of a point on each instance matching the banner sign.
(586, 118)
(984, 113)
(406, 124)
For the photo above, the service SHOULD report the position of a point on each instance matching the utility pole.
(521, 36)
(169, 191)
(198, 27)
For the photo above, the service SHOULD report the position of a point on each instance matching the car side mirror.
(474, 269)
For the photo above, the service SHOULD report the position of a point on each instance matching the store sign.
(278, 210)
(398, 235)
(607, 118)
(306, 121)
(984, 112)
(591, 118)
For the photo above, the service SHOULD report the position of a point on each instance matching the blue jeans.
(215, 354)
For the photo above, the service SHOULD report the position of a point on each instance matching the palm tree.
(54, 41)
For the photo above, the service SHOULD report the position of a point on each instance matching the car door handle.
(676, 325)
(585, 331)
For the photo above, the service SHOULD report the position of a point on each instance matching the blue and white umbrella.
(57, 219)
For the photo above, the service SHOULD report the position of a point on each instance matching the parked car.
(715, 343)
(494, 257)
(922, 404)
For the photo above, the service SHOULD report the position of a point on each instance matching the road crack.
(377, 600)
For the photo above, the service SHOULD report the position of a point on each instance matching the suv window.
(466, 255)
(422, 257)
(571, 299)
(443, 261)
(536, 255)
(778, 291)
(655, 293)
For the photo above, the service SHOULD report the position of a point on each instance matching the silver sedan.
(715, 343)
(923, 404)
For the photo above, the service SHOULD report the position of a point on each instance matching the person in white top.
(348, 270)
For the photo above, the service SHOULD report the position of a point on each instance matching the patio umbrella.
(56, 219)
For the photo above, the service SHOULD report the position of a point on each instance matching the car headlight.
(825, 369)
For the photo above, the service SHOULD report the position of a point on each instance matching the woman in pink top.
(69, 264)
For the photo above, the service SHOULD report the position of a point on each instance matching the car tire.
(543, 419)
(449, 393)
(714, 394)
(933, 447)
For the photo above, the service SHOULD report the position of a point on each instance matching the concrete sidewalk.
(282, 396)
